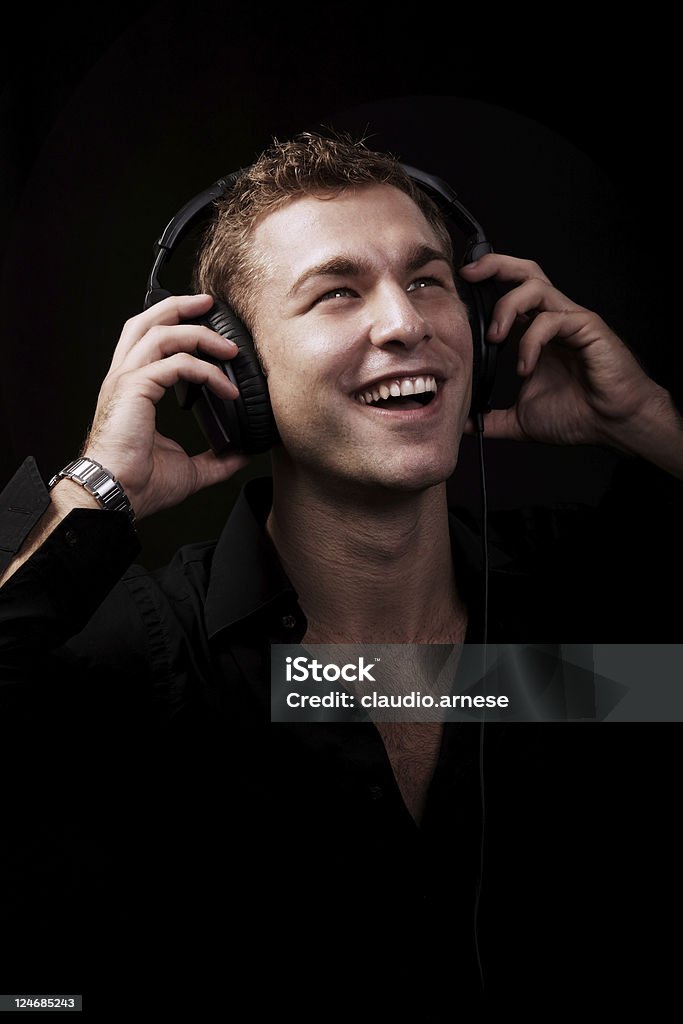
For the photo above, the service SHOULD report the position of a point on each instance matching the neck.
(367, 566)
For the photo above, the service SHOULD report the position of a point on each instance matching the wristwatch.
(99, 482)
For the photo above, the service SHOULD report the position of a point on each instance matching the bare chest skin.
(413, 750)
(412, 747)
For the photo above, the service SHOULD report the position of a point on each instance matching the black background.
(560, 136)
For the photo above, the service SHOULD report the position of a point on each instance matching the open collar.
(247, 576)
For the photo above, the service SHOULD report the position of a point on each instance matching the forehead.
(377, 222)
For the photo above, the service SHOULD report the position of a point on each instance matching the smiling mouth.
(399, 393)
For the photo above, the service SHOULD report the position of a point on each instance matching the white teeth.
(397, 387)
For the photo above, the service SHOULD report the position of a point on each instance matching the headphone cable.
(484, 523)
(479, 424)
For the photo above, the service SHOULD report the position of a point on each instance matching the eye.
(424, 282)
(335, 293)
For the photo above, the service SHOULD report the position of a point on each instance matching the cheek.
(462, 352)
(301, 368)
(289, 406)
(297, 404)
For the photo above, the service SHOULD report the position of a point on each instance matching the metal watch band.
(99, 482)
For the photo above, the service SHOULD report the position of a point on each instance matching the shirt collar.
(247, 576)
(246, 573)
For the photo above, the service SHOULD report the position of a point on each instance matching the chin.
(413, 469)
(413, 478)
(414, 484)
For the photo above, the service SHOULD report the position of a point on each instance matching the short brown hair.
(309, 164)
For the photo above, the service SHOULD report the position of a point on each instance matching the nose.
(396, 320)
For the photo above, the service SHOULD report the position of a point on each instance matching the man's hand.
(582, 385)
(154, 352)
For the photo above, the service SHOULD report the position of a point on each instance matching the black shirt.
(164, 830)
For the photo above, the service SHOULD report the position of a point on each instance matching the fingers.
(535, 292)
(168, 312)
(156, 337)
(531, 297)
(162, 341)
(577, 329)
(504, 268)
(153, 379)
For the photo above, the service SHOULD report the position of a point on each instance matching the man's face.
(356, 303)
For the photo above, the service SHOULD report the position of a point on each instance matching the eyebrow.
(346, 265)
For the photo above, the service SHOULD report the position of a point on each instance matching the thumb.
(215, 469)
(499, 423)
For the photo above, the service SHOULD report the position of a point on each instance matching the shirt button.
(71, 538)
(376, 792)
(288, 621)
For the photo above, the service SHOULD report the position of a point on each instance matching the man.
(363, 845)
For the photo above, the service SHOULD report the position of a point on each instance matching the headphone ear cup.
(480, 300)
(246, 424)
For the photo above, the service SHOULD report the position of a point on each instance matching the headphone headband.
(197, 209)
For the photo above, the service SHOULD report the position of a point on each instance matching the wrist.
(98, 482)
(655, 433)
(121, 472)
(67, 494)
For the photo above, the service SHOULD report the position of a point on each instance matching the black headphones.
(247, 424)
